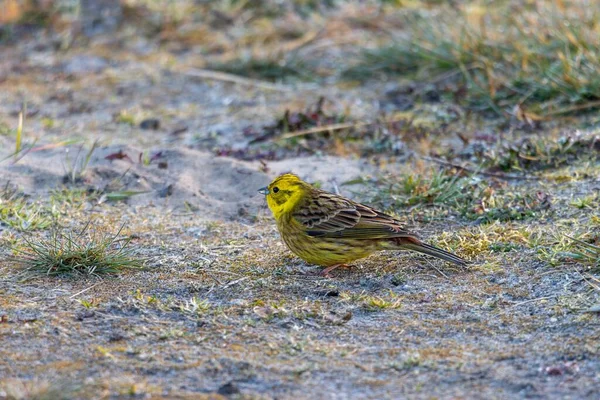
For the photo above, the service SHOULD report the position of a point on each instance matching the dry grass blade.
(326, 128)
(19, 134)
(336, 127)
(119, 196)
(51, 146)
(225, 77)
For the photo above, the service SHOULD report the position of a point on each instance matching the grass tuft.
(535, 56)
(39, 389)
(529, 154)
(267, 69)
(78, 167)
(586, 253)
(487, 205)
(436, 188)
(472, 242)
(467, 196)
(588, 202)
(373, 303)
(20, 214)
(77, 254)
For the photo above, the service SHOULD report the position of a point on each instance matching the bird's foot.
(326, 271)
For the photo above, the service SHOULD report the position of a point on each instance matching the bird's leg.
(327, 270)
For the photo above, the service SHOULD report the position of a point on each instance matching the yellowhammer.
(329, 230)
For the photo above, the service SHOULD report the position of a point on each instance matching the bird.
(332, 231)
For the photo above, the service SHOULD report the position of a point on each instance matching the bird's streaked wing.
(329, 215)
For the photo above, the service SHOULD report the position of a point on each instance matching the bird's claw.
(326, 271)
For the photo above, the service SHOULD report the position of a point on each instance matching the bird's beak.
(264, 190)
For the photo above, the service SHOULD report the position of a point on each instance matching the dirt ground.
(222, 309)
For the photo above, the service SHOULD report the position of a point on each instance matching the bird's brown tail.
(416, 245)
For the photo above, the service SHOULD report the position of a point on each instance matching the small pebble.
(150, 124)
(228, 389)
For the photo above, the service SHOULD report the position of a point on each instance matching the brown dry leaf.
(118, 156)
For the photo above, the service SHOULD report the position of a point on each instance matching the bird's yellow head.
(284, 193)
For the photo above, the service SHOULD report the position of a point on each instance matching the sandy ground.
(223, 310)
(216, 187)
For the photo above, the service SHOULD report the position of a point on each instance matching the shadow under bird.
(329, 230)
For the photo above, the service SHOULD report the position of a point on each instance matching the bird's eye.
(275, 189)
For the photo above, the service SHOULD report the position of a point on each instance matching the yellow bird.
(330, 230)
